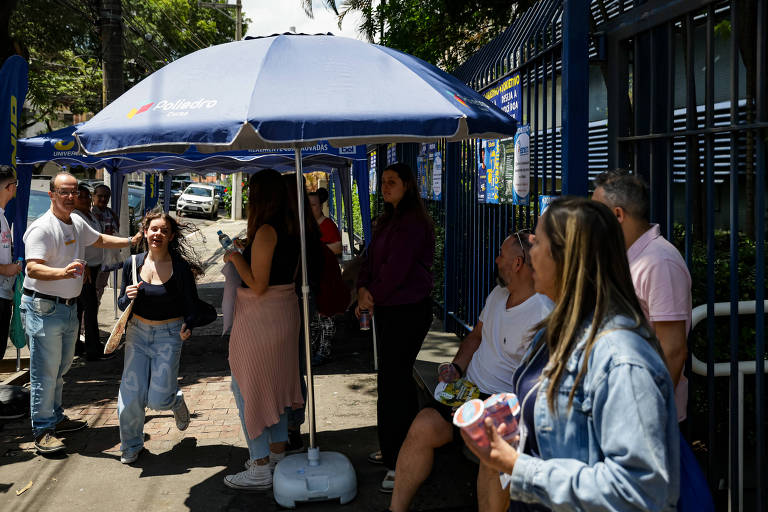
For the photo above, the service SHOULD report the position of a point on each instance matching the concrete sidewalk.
(184, 470)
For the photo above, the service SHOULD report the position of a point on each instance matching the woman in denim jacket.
(604, 418)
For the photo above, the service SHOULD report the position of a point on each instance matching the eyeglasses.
(63, 192)
(524, 232)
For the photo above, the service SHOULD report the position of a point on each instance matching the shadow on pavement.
(450, 488)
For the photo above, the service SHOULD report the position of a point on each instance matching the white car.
(199, 199)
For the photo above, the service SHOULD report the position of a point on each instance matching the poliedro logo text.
(176, 108)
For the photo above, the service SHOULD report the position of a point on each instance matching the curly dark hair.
(178, 246)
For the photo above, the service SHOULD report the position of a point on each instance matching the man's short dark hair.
(6, 174)
(84, 186)
(626, 191)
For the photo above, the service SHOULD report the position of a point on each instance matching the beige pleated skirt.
(264, 354)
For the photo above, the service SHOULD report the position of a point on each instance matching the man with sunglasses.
(55, 248)
(8, 269)
(488, 357)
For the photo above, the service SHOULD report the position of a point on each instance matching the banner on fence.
(507, 96)
(391, 153)
(372, 184)
(429, 172)
(488, 171)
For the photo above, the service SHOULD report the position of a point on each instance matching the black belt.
(38, 295)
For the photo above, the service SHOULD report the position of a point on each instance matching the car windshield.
(39, 202)
(135, 197)
(199, 191)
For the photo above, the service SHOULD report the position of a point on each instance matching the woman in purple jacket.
(394, 285)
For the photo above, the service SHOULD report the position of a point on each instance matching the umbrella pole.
(305, 298)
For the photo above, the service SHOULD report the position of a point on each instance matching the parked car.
(200, 199)
(220, 189)
(177, 188)
(135, 207)
(39, 203)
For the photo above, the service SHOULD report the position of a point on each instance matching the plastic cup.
(81, 269)
(504, 408)
(448, 373)
(470, 418)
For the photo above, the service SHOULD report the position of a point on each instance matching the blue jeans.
(51, 330)
(149, 377)
(258, 448)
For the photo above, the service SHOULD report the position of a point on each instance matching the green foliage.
(443, 32)
(722, 264)
(226, 197)
(64, 46)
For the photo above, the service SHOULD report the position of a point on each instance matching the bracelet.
(458, 369)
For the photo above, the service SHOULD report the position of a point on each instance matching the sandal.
(388, 484)
(376, 457)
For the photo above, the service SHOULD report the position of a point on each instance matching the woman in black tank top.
(263, 353)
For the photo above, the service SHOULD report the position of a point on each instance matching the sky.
(277, 16)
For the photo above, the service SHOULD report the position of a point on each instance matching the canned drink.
(470, 418)
(365, 320)
(80, 270)
(504, 408)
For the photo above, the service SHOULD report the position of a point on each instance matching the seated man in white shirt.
(490, 354)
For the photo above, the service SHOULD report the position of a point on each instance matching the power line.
(202, 44)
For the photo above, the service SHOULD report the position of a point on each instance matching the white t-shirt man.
(6, 257)
(58, 244)
(93, 255)
(505, 338)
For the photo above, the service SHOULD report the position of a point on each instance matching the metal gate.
(686, 85)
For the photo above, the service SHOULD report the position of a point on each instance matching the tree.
(63, 42)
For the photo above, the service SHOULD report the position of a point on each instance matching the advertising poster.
(391, 153)
(488, 171)
(521, 181)
(151, 191)
(372, 173)
(437, 177)
(544, 202)
(429, 172)
(515, 180)
(507, 96)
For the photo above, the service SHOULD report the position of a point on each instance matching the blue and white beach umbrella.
(294, 90)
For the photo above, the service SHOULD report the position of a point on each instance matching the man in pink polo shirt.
(661, 278)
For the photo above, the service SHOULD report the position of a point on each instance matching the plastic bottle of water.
(224, 240)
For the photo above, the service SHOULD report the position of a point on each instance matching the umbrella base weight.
(314, 476)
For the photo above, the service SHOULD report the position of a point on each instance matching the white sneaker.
(255, 478)
(130, 456)
(274, 458)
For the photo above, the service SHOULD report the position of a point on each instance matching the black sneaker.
(47, 442)
(295, 442)
(68, 425)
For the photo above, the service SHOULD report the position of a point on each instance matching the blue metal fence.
(677, 93)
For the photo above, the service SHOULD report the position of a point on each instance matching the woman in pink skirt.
(263, 354)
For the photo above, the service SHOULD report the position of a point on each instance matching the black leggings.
(400, 331)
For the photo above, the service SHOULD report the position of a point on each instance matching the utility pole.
(237, 178)
(111, 26)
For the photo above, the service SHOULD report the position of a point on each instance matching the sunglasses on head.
(518, 234)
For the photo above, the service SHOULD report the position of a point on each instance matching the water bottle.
(225, 241)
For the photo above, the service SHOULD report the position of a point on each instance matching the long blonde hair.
(591, 278)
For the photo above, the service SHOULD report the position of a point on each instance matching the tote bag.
(119, 329)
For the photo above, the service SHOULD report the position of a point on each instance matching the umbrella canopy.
(59, 146)
(291, 89)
